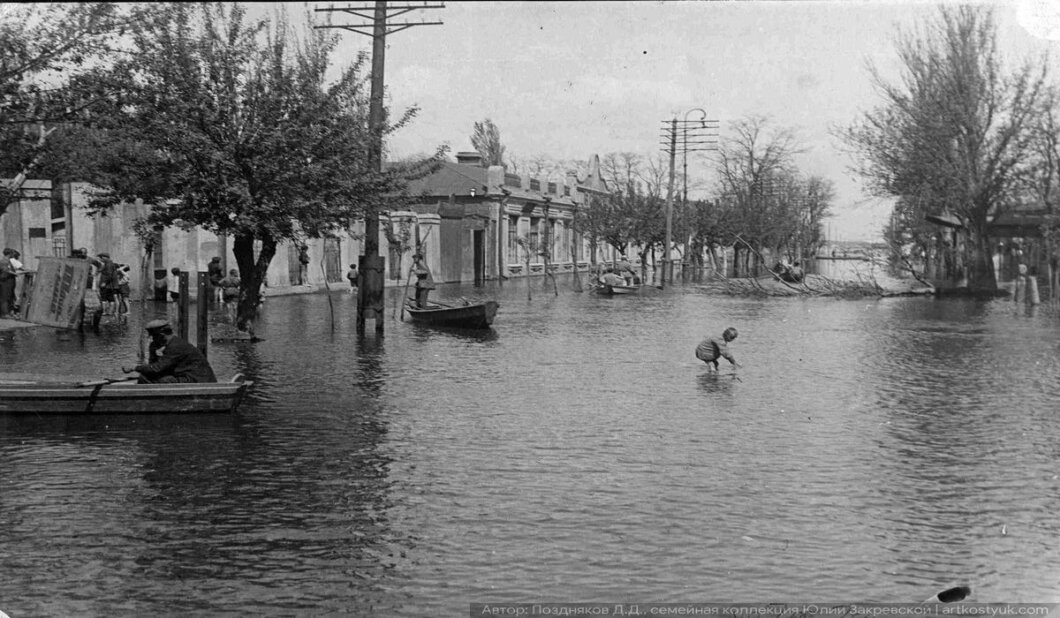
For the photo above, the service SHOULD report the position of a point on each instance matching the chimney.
(469, 158)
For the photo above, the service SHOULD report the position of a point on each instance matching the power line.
(379, 24)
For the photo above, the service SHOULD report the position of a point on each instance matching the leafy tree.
(232, 126)
(955, 130)
(46, 49)
(486, 139)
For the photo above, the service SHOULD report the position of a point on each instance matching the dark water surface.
(875, 450)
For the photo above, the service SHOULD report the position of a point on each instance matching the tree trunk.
(577, 281)
(529, 296)
(981, 274)
(252, 275)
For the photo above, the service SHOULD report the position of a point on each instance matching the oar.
(106, 381)
(405, 296)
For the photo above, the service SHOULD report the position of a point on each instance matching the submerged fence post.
(183, 304)
(202, 305)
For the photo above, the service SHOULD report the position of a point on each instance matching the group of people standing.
(107, 289)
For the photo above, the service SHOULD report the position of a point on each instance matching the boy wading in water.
(710, 350)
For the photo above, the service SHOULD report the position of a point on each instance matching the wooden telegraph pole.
(704, 137)
(667, 269)
(373, 265)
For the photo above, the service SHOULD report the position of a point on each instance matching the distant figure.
(795, 273)
(7, 285)
(351, 276)
(173, 284)
(91, 306)
(710, 350)
(625, 270)
(179, 362)
(122, 298)
(229, 287)
(20, 271)
(303, 261)
(108, 284)
(215, 272)
(424, 280)
(610, 278)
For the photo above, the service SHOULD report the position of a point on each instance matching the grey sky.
(569, 80)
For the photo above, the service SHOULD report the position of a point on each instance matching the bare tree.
(753, 161)
(955, 131)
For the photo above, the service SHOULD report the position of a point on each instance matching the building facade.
(493, 224)
(474, 224)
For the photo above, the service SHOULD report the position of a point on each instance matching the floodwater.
(872, 450)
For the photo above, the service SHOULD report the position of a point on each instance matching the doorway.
(479, 247)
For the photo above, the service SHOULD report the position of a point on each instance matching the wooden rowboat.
(34, 394)
(476, 315)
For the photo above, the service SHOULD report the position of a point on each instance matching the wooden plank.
(58, 291)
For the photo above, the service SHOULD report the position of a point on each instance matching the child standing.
(710, 350)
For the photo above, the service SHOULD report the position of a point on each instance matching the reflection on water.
(576, 451)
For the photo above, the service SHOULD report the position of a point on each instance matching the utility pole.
(667, 269)
(703, 137)
(373, 265)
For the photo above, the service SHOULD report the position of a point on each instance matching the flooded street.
(873, 450)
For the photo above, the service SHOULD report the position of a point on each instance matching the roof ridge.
(456, 168)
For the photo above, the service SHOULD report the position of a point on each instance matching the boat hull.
(478, 315)
(120, 398)
(616, 290)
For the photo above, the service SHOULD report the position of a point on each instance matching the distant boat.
(22, 393)
(471, 315)
(605, 289)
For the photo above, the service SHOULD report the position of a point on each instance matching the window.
(535, 236)
(513, 234)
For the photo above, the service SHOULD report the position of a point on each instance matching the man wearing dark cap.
(179, 362)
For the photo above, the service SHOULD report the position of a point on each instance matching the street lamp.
(684, 139)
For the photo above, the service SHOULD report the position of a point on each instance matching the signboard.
(58, 291)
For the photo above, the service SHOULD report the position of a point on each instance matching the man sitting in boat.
(610, 278)
(625, 270)
(179, 361)
(424, 280)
